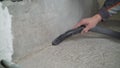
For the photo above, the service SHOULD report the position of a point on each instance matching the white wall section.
(6, 48)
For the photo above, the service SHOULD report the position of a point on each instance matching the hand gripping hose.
(97, 29)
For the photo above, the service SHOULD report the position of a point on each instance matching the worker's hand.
(89, 22)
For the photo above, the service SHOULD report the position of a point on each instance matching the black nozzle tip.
(54, 43)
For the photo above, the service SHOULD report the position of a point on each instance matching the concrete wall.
(37, 22)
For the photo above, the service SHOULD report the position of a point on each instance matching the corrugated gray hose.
(97, 29)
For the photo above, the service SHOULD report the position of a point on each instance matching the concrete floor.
(35, 26)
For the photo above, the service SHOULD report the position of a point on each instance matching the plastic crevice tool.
(67, 34)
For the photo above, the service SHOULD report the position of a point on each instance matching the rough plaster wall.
(6, 46)
(101, 2)
(36, 23)
(37, 26)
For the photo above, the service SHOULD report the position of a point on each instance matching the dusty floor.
(33, 32)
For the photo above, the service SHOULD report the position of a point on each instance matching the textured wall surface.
(37, 22)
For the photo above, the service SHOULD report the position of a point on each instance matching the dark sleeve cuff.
(104, 14)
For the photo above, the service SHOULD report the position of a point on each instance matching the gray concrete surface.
(37, 22)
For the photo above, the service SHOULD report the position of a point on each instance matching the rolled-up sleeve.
(109, 8)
